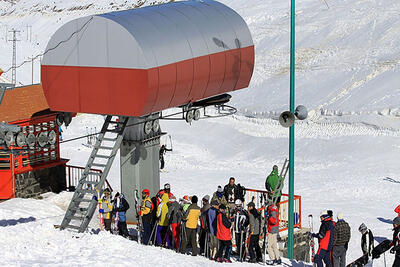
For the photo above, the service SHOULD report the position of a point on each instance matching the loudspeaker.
(301, 112)
(286, 119)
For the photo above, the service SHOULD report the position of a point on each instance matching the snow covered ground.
(346, 152)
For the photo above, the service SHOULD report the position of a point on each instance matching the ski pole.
(384, 258)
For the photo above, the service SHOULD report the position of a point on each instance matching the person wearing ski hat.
(212, 223)
(162, 228)
(367, 240)
(204, 228)
(191, 218)
(120, 207)
(341, 240)
(219, 196)
(174, 215)
(223, 235)
(325, 240)
(255, 230)
(396, 242)
(106, 209)
(273, 231)
(146, 207)
(241, 221)
(185, 202)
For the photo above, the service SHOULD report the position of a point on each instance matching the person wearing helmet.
(167, 189)
(241, 221)
(204, 227)
(395, 244)
(325, 240)
(191, 219)
(185, 202)
(146, 207)
(162, 228)
(174, 215)
(106, 209)
(219, 196)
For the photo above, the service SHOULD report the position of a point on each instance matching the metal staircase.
(84, 202)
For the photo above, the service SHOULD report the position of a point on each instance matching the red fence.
(283, 207)
(74, 173)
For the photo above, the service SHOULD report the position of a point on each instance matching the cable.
(50, 49)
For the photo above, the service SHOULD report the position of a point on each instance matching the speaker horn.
(21, 139)
(31, 140)
(43, 139)
(286, 119)
(301, 112)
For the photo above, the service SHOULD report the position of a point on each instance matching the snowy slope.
(346, 152)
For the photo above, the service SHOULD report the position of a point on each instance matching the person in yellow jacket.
(162, 227)
(146, 208)
(106, 208)
(191, 217)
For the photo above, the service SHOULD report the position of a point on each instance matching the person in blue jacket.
(212, 222)
(120, 208)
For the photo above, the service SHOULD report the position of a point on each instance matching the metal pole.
(291, 133)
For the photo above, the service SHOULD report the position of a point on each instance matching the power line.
(50, 49)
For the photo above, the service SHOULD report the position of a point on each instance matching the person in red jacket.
(223, 235)
(397, 210)
(325, 240)
(273, 231)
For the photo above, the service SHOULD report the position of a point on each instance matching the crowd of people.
(207, 229)
(333, 239)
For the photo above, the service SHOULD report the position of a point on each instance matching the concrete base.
(301, 245)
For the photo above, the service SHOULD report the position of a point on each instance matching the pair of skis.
(138, 218)
(311, 241)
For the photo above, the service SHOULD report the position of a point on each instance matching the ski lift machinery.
(136, 63)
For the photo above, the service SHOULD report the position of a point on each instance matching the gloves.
(101, 211)
(310, 235)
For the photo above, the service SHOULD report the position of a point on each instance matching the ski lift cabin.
(30, 162)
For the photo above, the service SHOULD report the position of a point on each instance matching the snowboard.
(381, 248)
(361, 261)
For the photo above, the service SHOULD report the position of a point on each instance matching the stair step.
(85, 200)
(99, 165)
(105, 147)
(109, 139)
(93, 173)
(78, 218)
(91, 182)
(102, 156)
(86, 191)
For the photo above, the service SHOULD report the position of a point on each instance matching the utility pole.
(14, 59)
(32, 67)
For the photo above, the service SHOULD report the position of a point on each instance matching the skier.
(255, 230)
(162, 228)
(223, 235)
(121, 206)
(272, 185)
(325, 240)
(396, 242)
(185, 202)
(230, 193)
(191, 219)
(174, 215)
(341, 240)
(241, 221)
(204, 229)
(367, 240)
(219, 196)
(212, 223)
(397, 210)
(106, 209)
(146, 208)
(163, 150)
(272, 218)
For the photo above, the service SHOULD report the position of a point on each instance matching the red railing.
(283, 207)
(74, 173)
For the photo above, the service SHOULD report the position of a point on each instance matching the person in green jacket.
(272, 185)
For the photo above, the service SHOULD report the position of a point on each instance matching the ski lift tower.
(134, 64)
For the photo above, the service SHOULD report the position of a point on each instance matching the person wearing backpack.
(341, 238)
(120, 207)
(146, 208)
(204, 228)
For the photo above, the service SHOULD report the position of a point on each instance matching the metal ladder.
(84, 202)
